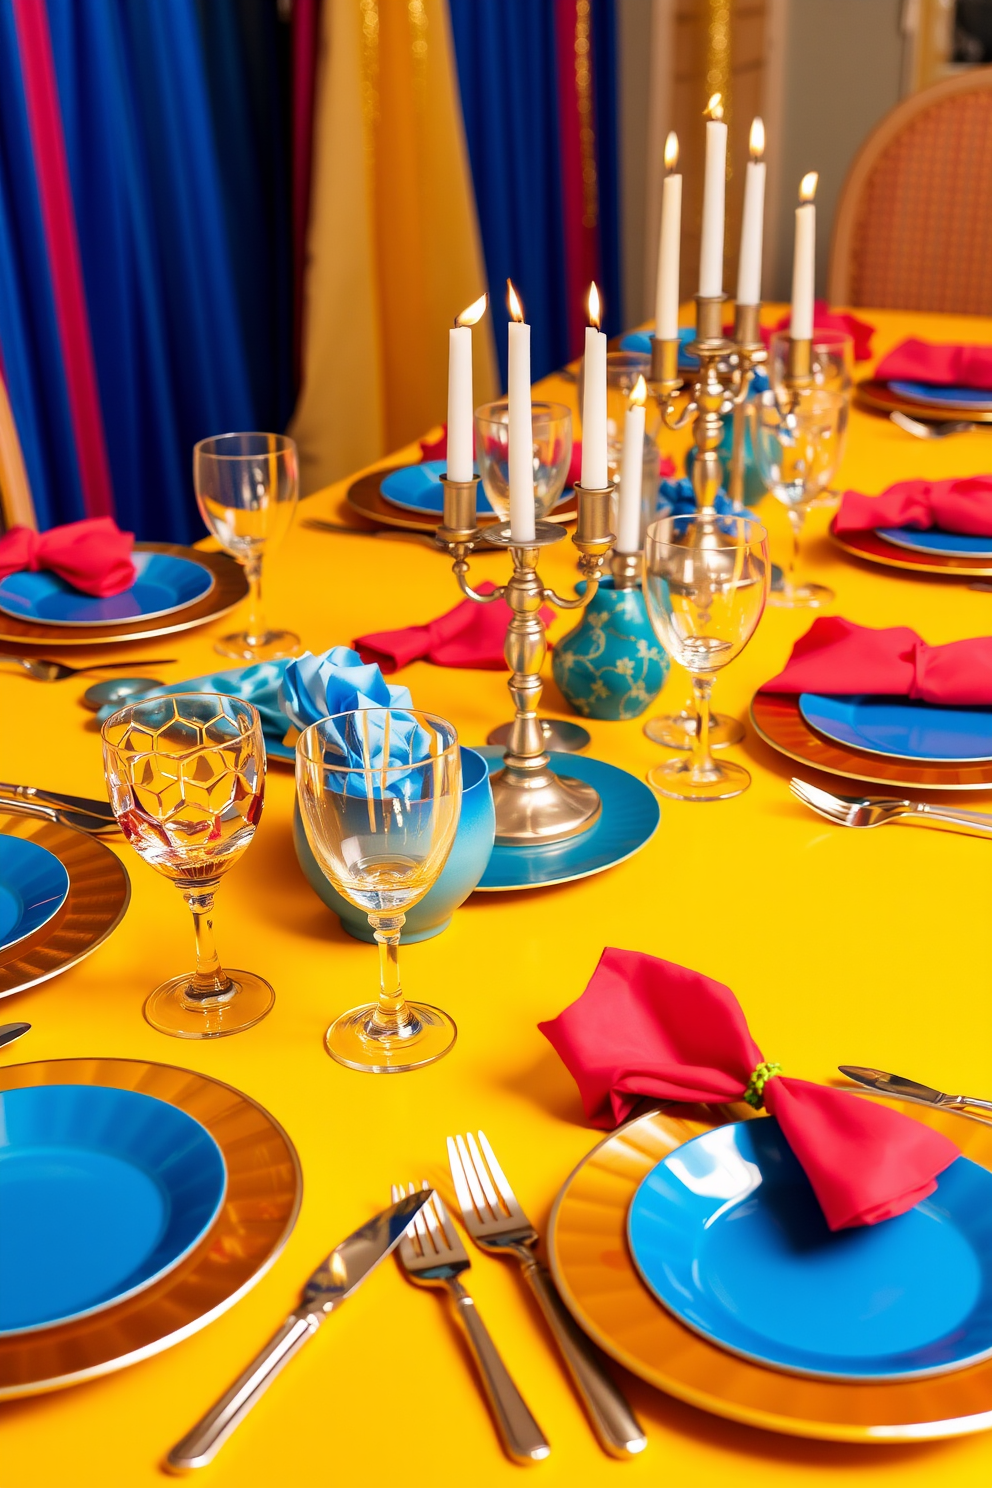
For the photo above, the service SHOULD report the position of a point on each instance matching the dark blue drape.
(29, 337)
(604, 77)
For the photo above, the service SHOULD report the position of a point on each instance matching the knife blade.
(898, 1085)
(11, 1031)
(339, 1275)
(89, 805)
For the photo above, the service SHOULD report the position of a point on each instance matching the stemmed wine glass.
(246, 488)
(186, 777)
(705, 585)
(552, 426)
(798, 450)
(380, 796)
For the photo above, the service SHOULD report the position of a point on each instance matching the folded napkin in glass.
(942, 365)
(837, 657)
(93, 555)
(470, 635)
(649, 1028)
(292, 694)
(962, 504)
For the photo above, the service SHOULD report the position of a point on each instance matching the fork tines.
(481, 1185)
(431, 1235)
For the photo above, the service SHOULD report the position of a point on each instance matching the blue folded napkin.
(676, 498)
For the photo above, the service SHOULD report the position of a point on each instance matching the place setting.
(932, 384)
(928, 526)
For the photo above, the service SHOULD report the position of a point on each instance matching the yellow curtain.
(394, 250)
(16, 505)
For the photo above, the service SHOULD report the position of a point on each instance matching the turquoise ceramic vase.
(466, 863)
(611, 665)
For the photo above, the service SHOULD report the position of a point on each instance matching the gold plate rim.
(777, 720)
(877, 395)
(99, 894)
(731, 1385)
(874, 549)
(364, 497)
(229, 588)
(209, 1101)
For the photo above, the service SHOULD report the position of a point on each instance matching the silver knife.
(898, 1085)
(9, 1032)
(335, 1279)
(89, 805)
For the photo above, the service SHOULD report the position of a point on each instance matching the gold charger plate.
(879, 396)
(229, 588)
(264, 1189)
(587, 1245)
(777, 720)
(875, 549)
(99, 891)
(365, 497)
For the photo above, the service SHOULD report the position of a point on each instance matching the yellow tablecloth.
(842, 946)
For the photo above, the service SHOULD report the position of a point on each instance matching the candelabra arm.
(560, 603)
(674, 421)
(460, 569)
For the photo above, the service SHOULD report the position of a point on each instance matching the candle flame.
(714, 109)
(671, 150)
(807, 186)
(513, 302)
(474, 313)
(595, 315)
(639, 393)
(757, 139)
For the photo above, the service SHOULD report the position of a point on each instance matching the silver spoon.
(928, 431)
(43, 670)
(11, 1031)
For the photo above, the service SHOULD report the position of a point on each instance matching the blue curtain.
(29, 338)
(604, 78)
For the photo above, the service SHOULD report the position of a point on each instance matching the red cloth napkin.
(944, 365)
(836, 656)
(646, 1027)
(825, 319)
(93, 555)
(962, 504)
(470, 635)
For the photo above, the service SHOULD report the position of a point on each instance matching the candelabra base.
(535, 806)
(678, 730)
(559, 736)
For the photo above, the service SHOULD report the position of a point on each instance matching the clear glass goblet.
(247, 487)
(798, 453)
(186, 776)
(380, 797)
(552, 425)
(705, 585)
(832, 366)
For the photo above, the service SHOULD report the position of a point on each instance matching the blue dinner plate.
(933, 540)
(728, 1235)
(33, 888)
(643, 341)
(902, 728)
(931, 392)
(417, 488)
(163, 583)
(629, 819)
(102, 1191)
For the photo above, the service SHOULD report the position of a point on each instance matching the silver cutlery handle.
(201, 1445)
(522, 1436)
(974, 823)
(618, 1429)
(972, 1101)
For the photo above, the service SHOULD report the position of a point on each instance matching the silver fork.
(433, 1255)
(875, 811)
(929, 431)
(497, 1224)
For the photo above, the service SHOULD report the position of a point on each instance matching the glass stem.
(797, 516)
(210, 981)
(392, 1017)
(255, 633)
(703, 765)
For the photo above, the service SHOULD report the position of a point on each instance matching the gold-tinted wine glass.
(186, 777)
(246, 488)
(705, 586)
(380, 797)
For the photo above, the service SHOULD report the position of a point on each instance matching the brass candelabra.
(533, 804)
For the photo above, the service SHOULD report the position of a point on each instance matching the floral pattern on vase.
(611, 665)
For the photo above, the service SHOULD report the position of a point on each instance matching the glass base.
(559, 735)
(674, 778)
(350, 1042)
(678, 730)
(271, 645)
(801, 597)
(169, 1010)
